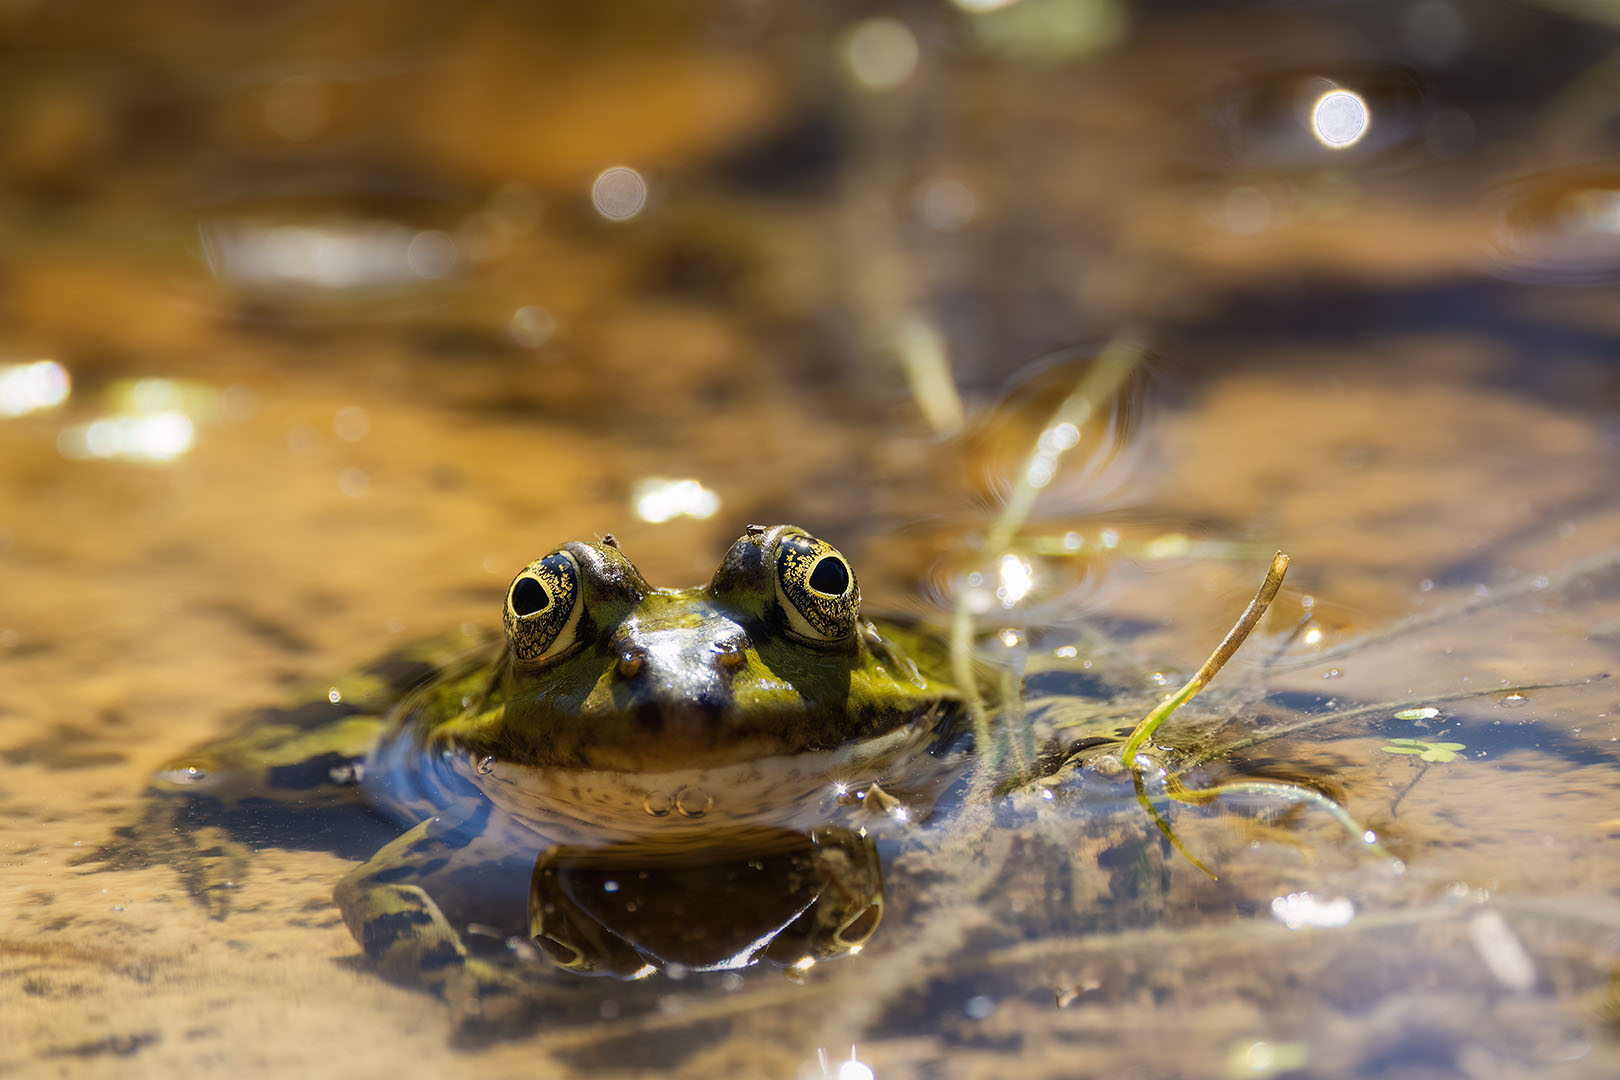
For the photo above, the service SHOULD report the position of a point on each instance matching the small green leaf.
(1442, 751)
(1438, 752)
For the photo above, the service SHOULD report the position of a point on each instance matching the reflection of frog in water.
(705, 735)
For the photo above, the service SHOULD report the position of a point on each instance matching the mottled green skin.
(727, 691)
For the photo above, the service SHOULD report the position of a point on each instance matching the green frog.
(759, 720)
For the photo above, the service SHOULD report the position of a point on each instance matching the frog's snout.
(679, 680)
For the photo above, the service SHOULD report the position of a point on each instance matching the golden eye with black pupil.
(543, 608)
(816, 589)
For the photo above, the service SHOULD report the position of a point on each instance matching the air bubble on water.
(1512, 701)
(1332, 673)
(1428, 712)
(334, 695)
(693, 802)
(1426, 585)
(610, 886)
(979, 1007)
(658, 803)
(486, 765)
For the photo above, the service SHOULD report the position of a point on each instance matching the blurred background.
(318, 321)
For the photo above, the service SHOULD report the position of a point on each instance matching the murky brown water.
(402, 353)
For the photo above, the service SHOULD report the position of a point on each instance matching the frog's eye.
(543, 607)
(816, 588)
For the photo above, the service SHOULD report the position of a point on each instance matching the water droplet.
(1512, 701)
(348, 773)
(693, 802)
(185, 774)
(658, 803)
(486, 765)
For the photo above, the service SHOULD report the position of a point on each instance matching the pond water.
(320, 322)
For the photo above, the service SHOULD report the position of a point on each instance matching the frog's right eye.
(543, 608)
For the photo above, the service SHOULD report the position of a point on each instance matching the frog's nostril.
(631, 661)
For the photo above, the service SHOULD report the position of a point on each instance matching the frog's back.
(313, 753)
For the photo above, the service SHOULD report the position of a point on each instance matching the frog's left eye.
(543, 608)
(817, 589)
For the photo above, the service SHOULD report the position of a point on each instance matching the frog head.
(770, 658)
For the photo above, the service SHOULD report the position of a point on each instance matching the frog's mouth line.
(650, 736)
(657, 801)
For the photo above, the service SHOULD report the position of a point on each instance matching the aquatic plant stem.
(1524, 587)
(1223, 652)
(1102, 380)
(1159, 820)
(1385, 707)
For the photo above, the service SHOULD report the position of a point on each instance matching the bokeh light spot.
(1339, 118)
(881, 53)
(26, 388)
(659, 499)
(619, 193)
(531, 326)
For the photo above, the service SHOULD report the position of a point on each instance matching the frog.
(761, 719)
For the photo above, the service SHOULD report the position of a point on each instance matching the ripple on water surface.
(1558, 228)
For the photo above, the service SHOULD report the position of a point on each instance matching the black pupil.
(529, 596)
(830, 576)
